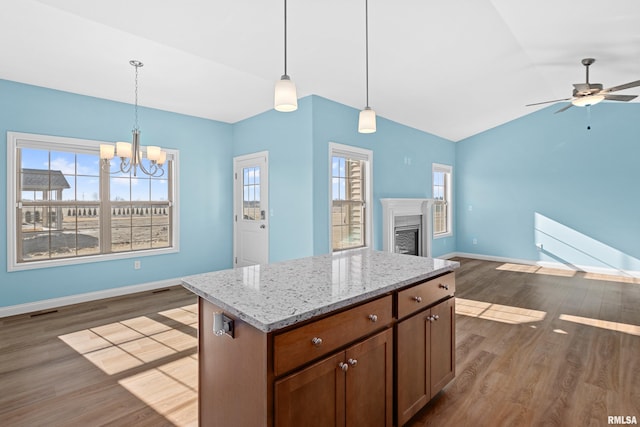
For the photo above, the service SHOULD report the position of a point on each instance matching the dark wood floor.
(540, 347)
(129, 361)
(534, 347)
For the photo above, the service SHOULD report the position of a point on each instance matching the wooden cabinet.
(354, 367)
(425, 357)
(351, 388)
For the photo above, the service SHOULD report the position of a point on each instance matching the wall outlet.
(136, 265)
(474, 241)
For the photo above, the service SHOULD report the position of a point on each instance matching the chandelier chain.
(135, 127)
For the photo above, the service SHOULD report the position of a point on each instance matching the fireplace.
(407, 240)
(406, 226)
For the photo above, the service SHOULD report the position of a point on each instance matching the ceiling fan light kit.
(587, 94)
(585, 101)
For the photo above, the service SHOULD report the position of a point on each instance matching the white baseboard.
(547, 264)
(48, 304)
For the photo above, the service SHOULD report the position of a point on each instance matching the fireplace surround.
(404, 218)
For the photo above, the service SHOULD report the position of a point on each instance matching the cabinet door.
(369, 392)
(413, 375)
(442, 345)
(313, 396)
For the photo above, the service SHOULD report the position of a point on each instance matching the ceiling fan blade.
(548, 102)
(622, 87)
(566, 107)
(624, 98)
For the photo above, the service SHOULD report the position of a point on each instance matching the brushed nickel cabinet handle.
(445, 287)
(353, 362)
(316, 341)
(417, 299)
(343, 366)
(373, 318)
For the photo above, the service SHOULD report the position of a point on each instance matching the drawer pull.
(343, 366)
(445, 287)
(430, 318)
(373, 318)
(316, 341)
(435, 317)
(353, 362)
(417, 299)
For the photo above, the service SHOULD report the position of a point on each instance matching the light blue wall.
(298, 145)
(545, 178)
(287, 138)
(402, 160)
(205, 188)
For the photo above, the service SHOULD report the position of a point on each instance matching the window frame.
(17, 140)
(448, 176)
(342, 150)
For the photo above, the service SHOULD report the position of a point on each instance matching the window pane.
(141, 238)
(441, 209)
(48, 229)
(120, 189)
(160, 236)
(59, 232)
(251, 194)
(159, 189)
(88, 188)
(347, 193)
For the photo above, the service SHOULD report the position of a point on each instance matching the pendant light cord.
(366, 26)
(285, 37)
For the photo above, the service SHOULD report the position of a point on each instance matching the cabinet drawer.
(300, 345)
(424, 294)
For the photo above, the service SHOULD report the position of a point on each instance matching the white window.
(65, 207)
(350, 194)
(442, 193)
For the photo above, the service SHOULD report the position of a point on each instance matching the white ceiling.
(453, 68)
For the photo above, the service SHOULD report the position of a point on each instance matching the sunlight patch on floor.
(120, 346)
(603, 324)
(536, 269)
(497, 312)
(165, 390)
(170, 389)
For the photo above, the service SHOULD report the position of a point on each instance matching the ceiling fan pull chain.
(588, 117)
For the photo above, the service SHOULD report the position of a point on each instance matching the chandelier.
(131, 154)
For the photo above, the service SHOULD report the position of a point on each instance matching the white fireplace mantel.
(392, 208)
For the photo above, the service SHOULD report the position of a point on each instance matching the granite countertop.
(273, 296)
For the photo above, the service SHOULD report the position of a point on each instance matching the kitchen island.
(312, 340)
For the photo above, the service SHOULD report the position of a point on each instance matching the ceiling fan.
(585, 94)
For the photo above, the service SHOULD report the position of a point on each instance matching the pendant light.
(367, 119)
(285, 97)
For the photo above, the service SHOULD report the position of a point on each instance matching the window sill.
(442, 235)
(34, 265)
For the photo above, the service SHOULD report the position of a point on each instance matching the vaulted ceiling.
(453, 68)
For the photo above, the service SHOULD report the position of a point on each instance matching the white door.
(251, 209)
